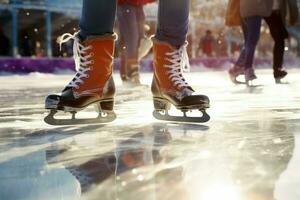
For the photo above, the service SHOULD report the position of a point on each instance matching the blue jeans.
(98, 17)
(251, 30)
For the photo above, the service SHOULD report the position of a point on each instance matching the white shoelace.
(81, 62)
(180, 62)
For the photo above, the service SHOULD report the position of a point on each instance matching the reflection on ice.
(221, 191)
(28, 177)
(248, 151)
(155, 165)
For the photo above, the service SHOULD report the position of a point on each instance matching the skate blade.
(239, 82)
(235, 81)
(101, 119)
(280, 82)
(250, 84)
(135, 86)
(166, 117)
(255, 86)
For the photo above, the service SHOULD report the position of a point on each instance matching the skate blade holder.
(70, 118)
(280, 82)
(238, 80)
(187, 116)
(253, 84)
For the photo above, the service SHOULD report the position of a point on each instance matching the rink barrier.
(46, 65)
(56, 65)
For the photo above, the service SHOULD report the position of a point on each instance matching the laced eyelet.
(91, 68)
(178, 62)
(82, 58)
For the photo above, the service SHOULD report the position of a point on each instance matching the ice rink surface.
(250, 150)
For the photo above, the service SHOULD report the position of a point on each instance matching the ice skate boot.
(169, 86)
(278, 75)
(132, 74)
(234, 72)
(92, 84)
(249, 77)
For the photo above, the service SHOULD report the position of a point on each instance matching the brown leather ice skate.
(92, 84)
(132, 73)
(169, 86)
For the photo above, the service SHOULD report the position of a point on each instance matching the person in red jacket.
(131, 19)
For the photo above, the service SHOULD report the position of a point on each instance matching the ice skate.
(250, 77)
(132, 74)
(279, 75)
(234, 73)
(92, 84)
(169, 86)
(129, 71)
(132, 79)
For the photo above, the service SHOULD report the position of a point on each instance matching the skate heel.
(161, 104)
(107, 105)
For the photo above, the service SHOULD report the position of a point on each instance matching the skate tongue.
(184, 93)
(188, 91)
(66, 89)
(81, 37)
(191, 89)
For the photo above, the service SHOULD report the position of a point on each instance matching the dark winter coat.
(250, 8)
(289, 11)
(135, 2)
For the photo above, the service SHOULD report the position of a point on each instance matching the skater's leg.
(98, 17)
(127, 17)
(253, 25)
(253, 33)
(239, 66)
(241, 60)
(173, 21)
(145, 43)
(128, 29)
(93, 55)
(279, 34)
(170, 57)
(122, 55)
(140, 18)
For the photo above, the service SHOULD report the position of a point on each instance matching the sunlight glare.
(221, 192)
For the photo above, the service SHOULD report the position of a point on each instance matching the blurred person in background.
(251, 13)
(221, 44)
(26, 45)
(285, 12)
(207, 44)
(4, 44)
(233, 41)
(39, 51)
(131, 18)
